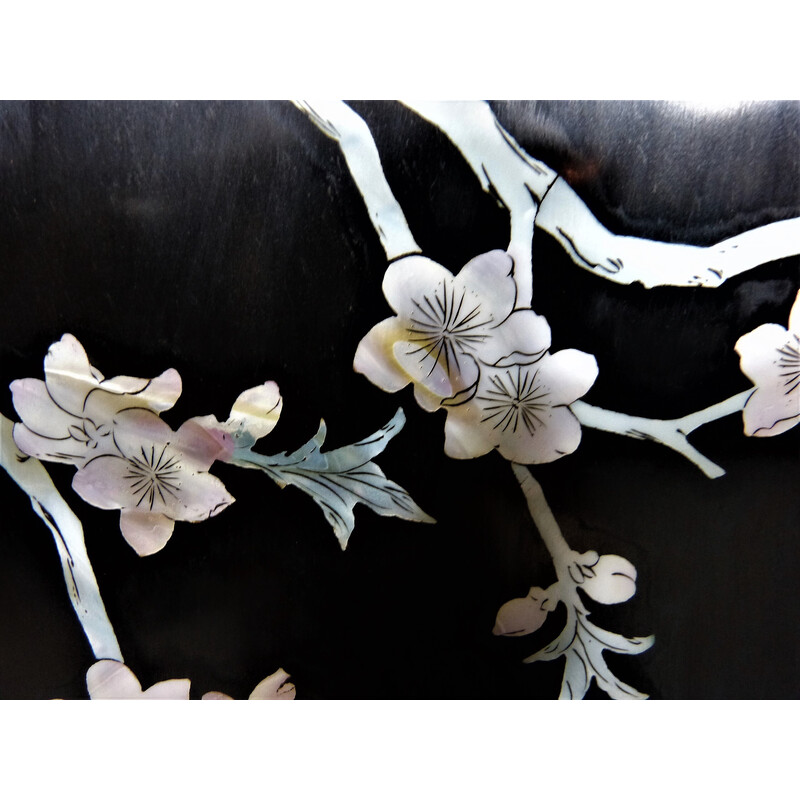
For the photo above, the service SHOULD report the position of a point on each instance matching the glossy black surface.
(228, 240)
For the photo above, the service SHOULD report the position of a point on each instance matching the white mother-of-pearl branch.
(84, 593)
(669, 432)
(520, 182)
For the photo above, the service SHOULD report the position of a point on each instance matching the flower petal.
(557, 436)
(146, 532)
(137, 428)
(410, 279)
(111, 680)
(374, 356)
(200, 446)
(104, 483)
(175, 689)
(257, 410)
(491, 277)
(223, 444)
(38, 411)
(274, 687)
(523, 338)
(199, 497)
(68, 374)
(566, 375)
(216, 696)
(159, 393)
(62, 451)
(794, 315)
(464, 436)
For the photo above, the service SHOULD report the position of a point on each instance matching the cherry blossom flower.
(522, 410)
(155, 476)
(68, 417)
(770, 358)
(446, 326)
(465, 348)
(112, 680)
(127, 457)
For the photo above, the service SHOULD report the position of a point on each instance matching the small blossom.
(770, 358)
(68, 417)
(522, 615)
(465, 348)
(613, 580)
(522, 411)
(111, 680)
(446, 325)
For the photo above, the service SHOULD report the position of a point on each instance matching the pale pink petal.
(200, 446)
(771, 412)
(68, 374)
(428, 401)
(111, 680)
(770, 358)
(257, 410)
(411, 279)
(159, 393)
(63, 451)
(104, 482)
(565, 376)
(224, 443)
(138, 429)
(794, 315)
(199, 497)
(375, 356)
(38, 411)
(523, 338)
(521, 616)
(558, 435)
(442, 371)
(760, 353)
(464, 436)
(274, 687)
(216, 696)
(145, 532)
(175, 689)
(490, 277)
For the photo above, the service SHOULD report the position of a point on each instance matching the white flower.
(522, 410)
(460, 342)
(446, 325)
(127, 457)
(111, 680)
(68, 417)
(770, 357)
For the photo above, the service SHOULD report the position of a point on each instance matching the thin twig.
(669, 432)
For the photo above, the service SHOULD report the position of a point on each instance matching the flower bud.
(614, 580)
(521, 616)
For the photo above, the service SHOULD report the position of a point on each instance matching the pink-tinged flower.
(522, 615)
(770, 357)
(446, 326)
(68, 417)
(155, 476)
(522, 410)
(110, 680)
(274, 687)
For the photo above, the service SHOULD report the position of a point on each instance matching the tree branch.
(670, 432)
(340, 122)
(32, 478)
(503, 167)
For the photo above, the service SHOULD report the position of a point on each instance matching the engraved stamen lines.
(789, 364)
(154, 474)
(445, 327)
(514, 399)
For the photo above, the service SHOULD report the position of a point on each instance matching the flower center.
(789, 364)
(446, 326)
(154, 476)
(513, 400)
